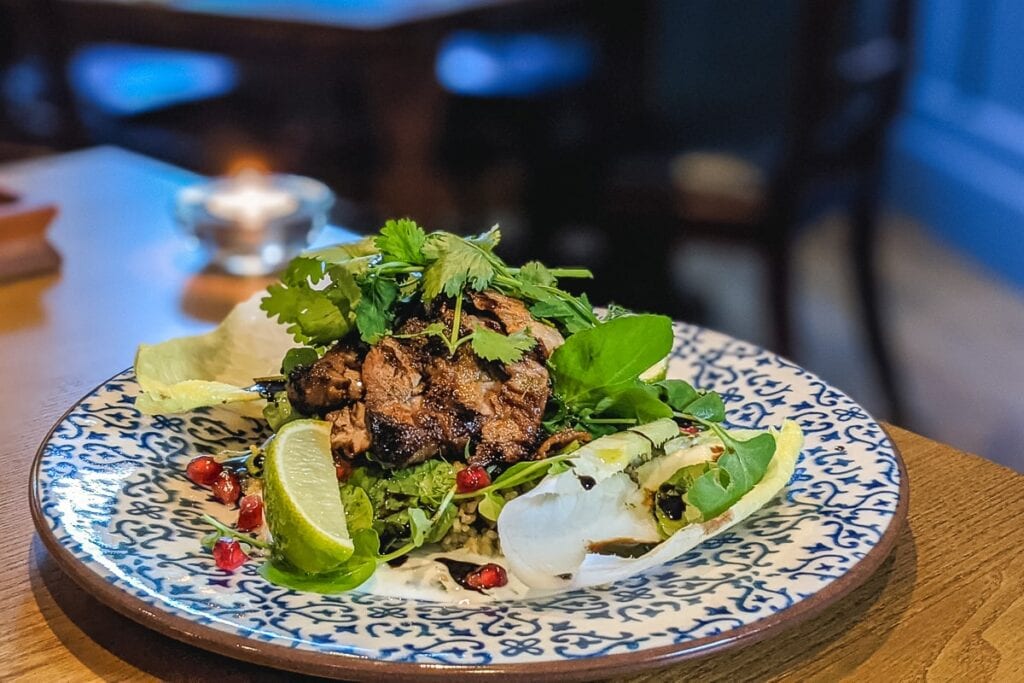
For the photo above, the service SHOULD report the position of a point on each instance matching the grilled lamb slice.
(515, 317)
(332, 382)
(512, 432)
(421, 403)
(349, 435)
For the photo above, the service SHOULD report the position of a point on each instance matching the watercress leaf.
(490, 506)
(419, 526)
(536, 273)
(401, 240)
(303, 356)
(736, 472)
(677, 393)
(607, 356)
(352, 574)
(443, 524)
(358, 509)
(374, 312)
(491, 345)
(707, 407)
(638, 400)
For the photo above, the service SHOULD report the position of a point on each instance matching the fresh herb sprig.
(324, 295)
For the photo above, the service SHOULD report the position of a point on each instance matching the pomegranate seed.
(203, 470)
(690, 430)
(342, 468)
(473, 478)
(487, 576)
(227, 489)
(250, 513)
(228, 554)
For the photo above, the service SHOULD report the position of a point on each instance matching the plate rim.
(349, 666)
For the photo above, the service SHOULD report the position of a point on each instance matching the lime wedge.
(656, 372)
(303, 502)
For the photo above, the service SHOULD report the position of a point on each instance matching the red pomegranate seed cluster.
(250, 513)
(203, 470)
(228, 554)
(473, 478)
(486, 576)
(690, 430)
(227, 489)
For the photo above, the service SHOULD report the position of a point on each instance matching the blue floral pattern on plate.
(111, 490)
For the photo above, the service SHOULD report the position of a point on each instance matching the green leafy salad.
(441, 414)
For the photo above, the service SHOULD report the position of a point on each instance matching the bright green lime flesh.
(303, 502)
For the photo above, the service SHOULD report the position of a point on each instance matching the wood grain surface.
(947, 605)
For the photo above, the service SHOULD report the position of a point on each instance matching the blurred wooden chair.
(846, 89)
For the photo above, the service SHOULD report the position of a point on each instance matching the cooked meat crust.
(410, 401)
(335, 380)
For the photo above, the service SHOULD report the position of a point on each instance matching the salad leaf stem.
(225, 530)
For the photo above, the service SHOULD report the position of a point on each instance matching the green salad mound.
(601, 384)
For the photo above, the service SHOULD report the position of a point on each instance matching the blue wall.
(957, 155)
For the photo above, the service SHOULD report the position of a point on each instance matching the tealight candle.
(251, 199)
(254, 223)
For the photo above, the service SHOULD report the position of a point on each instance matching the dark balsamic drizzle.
(460, 570)
(398, 561)
(622, 547)
(587, 482)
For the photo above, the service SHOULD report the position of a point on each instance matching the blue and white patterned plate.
(111, 502)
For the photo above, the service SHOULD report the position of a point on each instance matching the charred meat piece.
(349, 434)
(512, 432)
(560, 440)
(421, 403)
(514, 317)
(332, 382)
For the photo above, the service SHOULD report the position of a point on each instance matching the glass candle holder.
(254, 223)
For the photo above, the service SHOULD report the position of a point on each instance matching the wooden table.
(948, 604)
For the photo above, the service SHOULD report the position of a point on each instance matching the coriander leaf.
(344, 253)
(605, 359)
(536, 273)
(491, 345)
(302, 269)
(342, 289)
(455, 264)
(374, 313)
(733, 475)
(401, 240)
(677, 393)
(487, 240)
(295, 357)
(310, 315)
(708, 407)
(640, 401)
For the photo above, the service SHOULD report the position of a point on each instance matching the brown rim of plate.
(339, 665)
